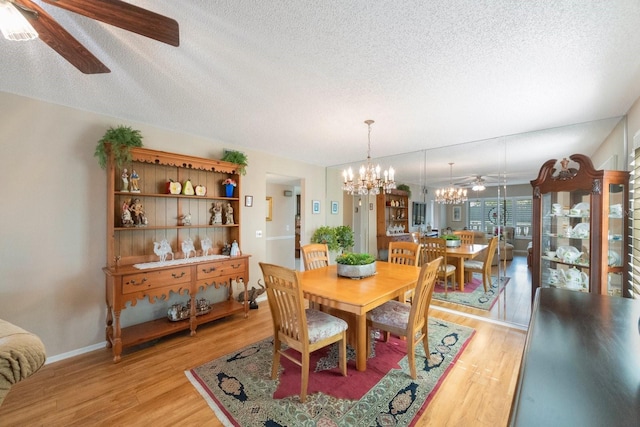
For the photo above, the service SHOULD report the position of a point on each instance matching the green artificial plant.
(121, 138)
(237, 157)
(338, 238)
(326, 234)
(352, 258)
(404, 187)
(450, 237)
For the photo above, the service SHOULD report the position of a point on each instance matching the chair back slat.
(286, 301)
(407, 253)
(315, 255)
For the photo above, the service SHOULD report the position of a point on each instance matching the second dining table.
(353, 298)
(461, 253)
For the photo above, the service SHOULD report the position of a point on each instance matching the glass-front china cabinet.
(580, 227)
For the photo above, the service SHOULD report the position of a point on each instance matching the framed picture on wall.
(457, 213)
(315, 206)
(334, 208)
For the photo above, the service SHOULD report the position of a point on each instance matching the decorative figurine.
(126, 215)
(216, 210)
(206, 246)
(134, 181)
(235, 250)
(252, 294)
(187, 248)
(125, 181)
(229, 214)
(226, 249)
(137, 213)
(186, 219)
(162, 249)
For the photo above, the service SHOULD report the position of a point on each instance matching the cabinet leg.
(117, 341)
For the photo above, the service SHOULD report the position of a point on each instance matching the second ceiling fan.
(113, 12)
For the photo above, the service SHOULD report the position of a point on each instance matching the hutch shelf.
(392, 219)
(133, 269)
(580, 227)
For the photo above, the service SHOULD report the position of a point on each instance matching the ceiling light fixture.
(369, 180)
(451, 195)
(13, 24)
(478, 185)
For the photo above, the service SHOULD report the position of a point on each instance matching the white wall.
(52, 225)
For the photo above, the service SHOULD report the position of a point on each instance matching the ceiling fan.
(113, 12)
(476, 182)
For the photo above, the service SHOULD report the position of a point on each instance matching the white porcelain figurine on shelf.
(162, 249)
(187, 248)
(206, 246)
(216, 210)
(235, 250)
(134, 178)
(229, 214)
(125, 181)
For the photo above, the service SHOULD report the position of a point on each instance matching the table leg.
(460, 273)
(361, 343)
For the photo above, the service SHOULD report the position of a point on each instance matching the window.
(634, 237)
(486, 215)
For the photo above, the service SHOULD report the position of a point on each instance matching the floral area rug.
(239, 389)
(474, 294)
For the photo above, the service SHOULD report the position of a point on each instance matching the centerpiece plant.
(353, 258)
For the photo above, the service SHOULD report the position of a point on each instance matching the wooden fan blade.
(61, 41)
(126, 16)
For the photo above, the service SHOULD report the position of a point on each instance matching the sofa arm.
(21, 355)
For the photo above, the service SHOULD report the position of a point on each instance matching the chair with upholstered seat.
(434, 248)
(302, 330)
(467, 237)
(410, 321)
(483, 267)
(315, 255)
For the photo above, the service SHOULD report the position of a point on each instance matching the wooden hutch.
(133, 271)
(392, 218)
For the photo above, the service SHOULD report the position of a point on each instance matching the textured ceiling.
(298, 78)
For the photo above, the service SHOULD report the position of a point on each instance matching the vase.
(229, 190)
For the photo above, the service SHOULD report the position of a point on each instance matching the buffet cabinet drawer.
(153, 279)
(235, 268)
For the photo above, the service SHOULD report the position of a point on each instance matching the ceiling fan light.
(478, 187)
(14, 25)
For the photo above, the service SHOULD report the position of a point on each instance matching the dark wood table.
(581, 362)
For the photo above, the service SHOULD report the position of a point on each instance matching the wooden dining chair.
(433, 248)
(410, 321)
(304, 330)
(406, 253)
(483, 267)
(315, 255)
(467, 237)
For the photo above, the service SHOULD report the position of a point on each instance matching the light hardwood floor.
(514, 303)
(148, 387)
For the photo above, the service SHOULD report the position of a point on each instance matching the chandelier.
(369, 180)
(451, 195)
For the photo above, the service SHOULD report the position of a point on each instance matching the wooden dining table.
(351, 299)
(461, 253)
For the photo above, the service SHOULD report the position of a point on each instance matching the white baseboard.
(77, 352)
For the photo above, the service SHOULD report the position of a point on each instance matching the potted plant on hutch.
(121, 139)
(237, 157)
